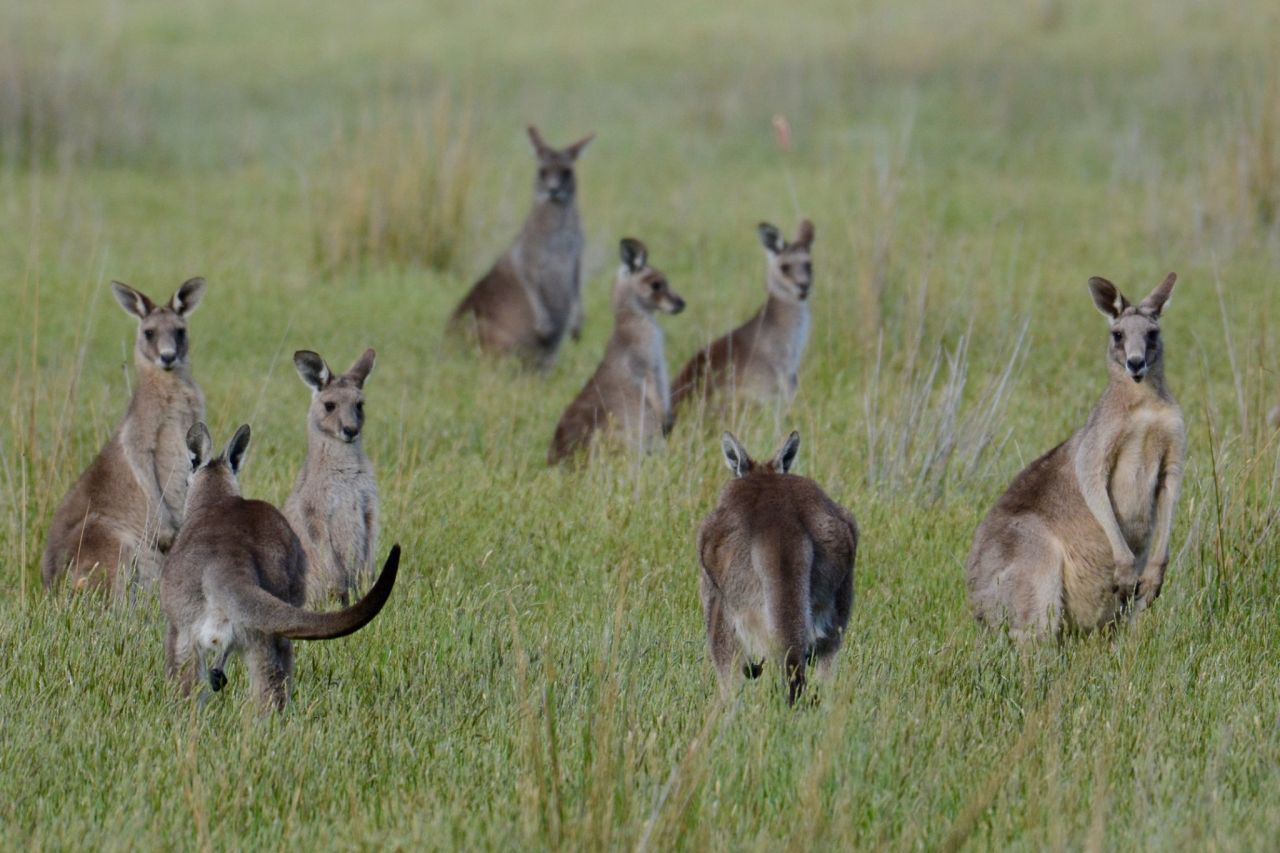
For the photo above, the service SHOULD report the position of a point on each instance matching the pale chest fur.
(775, 352)
(165, 416)
(333, 508)
(641, 369)
(547, 262)
(1142, 449)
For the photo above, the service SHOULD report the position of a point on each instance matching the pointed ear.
(236, 448)
(576, 148)
(1107, 297)
(1159, 298)
(540, 145)
(735, 455)
(634, 254)
(132, 301)
(771, 238)
(363, 366)
(199, 445)
(804, 234)
(312, 369)
(786, 455)
(188, 296)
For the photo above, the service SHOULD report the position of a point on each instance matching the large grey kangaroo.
(532, 296)
(235, 582)
(126, 508)
(1083, 532)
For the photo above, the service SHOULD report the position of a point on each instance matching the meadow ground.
(341, 175)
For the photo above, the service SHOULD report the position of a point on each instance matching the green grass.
(539, 678)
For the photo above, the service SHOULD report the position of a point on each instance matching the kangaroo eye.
(565, 174)
(329, 405)
(1153, 336)
(786, 269)
(656, 286)
(149, 333)
(1117, 337)
(360, 409)
(180, 335)
(808, 268)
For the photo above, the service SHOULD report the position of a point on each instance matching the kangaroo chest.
(549, 266)
(1140, 458)
(173, 418)
(773, 353)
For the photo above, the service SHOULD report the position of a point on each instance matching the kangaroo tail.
(264, 612)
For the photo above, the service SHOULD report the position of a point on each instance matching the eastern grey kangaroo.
(1083, 532)
(532, 296)
(777, 560)
(126, 508)
(235, 579)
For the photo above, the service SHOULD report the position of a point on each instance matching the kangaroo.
(532, 296)
(127, 505)
(761, 358)
(334, 505)
(235, 579)
(1082, 534)
(777, 560)
(629, 390)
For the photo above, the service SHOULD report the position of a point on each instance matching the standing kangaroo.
(334, 505)
(1083, 531)
(127, 506)
(761, 358)
(532, 296)
(777, 560)
(629, 390)
(235, 580)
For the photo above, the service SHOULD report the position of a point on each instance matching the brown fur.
(125, 509)
(777, 560)
(1082, 534)
(236, 579)
(761, 358)
(629, 391)
(532, 295)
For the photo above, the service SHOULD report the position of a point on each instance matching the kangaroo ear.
(1159, 298)
(132, 301)
(634, 254)
(576, 148)
(360, 371)
(312, 369)
(804, 234)
(188, 296)
(236, 448)
(1107, 297)
(540, 145)
(199, 445)
(735, 455)
(786, 455)
(771, 238)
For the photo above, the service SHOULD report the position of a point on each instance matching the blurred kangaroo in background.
(629, 390)
(777, 560)
(334, 505)
(235, 579)
(127, 506)
(761, 358)
(1083, 532)
(532, 296)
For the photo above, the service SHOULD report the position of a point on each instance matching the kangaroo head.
(1135, 349)
(790, 267)
(337, 402)
(162, 329)
(742, 465)
(642, 286)
(555, 181)
(211, 473)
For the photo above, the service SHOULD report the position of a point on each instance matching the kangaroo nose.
(168, 358)
(350, 432)
(1136, 363)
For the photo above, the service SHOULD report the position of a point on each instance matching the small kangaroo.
(127, 505)
(629, 390)
(532, 296)
(334, 505)
(777, 560)
(1083, 532)
(235, 579)
(761, 358)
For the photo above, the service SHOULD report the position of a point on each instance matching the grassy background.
(341, 175)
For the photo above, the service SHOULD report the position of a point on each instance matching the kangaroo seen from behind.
(629, 391)
(334, 505)
(777, 560)
(235, 579)
(127, 505)
(761, 358)
(1083, 532)
(532, 296)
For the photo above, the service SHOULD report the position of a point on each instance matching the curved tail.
(262, 611)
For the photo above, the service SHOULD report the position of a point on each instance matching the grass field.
(341, 175)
